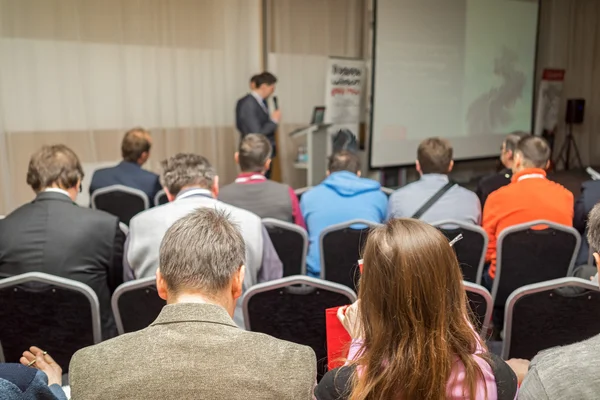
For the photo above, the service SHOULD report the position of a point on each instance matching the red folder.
(338, 339)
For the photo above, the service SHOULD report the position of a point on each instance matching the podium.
(316, 147)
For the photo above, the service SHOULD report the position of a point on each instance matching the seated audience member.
(494, 182)
(529, 197)
(37, 377)
(411, 336)
(191, 183)
(54, 235)
(194, 350)
(589, 197)
(434, 163)
(568, 372)
(341, 197)
(253, 192)
(135, 150)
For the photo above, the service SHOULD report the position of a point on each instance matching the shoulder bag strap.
(432, 200)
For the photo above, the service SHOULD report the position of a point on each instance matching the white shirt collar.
(57, 190)
(194, 192)
(260, 101)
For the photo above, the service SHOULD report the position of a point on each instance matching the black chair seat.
(120, 201)
(291, 244)
(136, 305)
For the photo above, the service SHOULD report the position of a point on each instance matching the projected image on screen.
(458, 69)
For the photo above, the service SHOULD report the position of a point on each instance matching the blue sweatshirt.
(341, 197)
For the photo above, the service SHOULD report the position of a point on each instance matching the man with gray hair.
(190, 182)
(193, 349)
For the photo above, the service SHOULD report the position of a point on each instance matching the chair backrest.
(295, 313)
(291, 244)
(160, 198)
(541, 316)
(56, 314)
(341, 248)
(525, 256)
(470, 251)
(388, 191)
(136, 305)
(121, 201)
(480, 302)
(301, 191)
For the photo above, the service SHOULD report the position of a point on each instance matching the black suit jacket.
(492, 183)
(250, 117)
(55, 236)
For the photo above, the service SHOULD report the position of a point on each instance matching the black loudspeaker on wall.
(575, 111)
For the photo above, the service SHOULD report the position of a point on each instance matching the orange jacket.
(529, 196)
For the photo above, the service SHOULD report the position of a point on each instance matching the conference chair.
(121, 201)
(341, 248)
(388, 191)
(161, 198)
(541, 316)
(301, 191)
(480, 303)
(55, 314)
(525, 256)
(470, 251)
(293, 309)
(291, 244)
(136, 305)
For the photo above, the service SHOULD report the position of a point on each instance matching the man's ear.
(418, 167)
(238, 282)
(161, 285)
(328, 172)
(215, 187)
(597, 258)
(268, 165)
(451, 166)
(358, 173)
(236, 157)
(170, 197)
(547, 167)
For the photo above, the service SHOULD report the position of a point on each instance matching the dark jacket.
(127, 174)
(19, 382)
(250, 117)
(590, 195)
(55, 236)
(491, 183)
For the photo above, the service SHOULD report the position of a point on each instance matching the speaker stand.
(565, 151)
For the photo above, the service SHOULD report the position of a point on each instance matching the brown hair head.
(344, 160)
(535, 151)
(55, 165)
(413, 310)
(186, 169)
(434, 156)
(135, 143)
(254, 152)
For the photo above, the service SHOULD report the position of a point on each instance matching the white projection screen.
(463, 70)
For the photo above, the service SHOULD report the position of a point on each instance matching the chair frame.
(120, 188)
(62, 283)
(338, 227)
(301, 191)
(157, 197)
(388, 191)
(124, 288)
(473, 228)
(290, 281)
(476, 288)
(532, 289)
(525, 226)
(295, 228)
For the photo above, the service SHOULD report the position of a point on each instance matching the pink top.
(454, 390)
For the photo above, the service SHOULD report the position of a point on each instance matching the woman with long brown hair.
(412, 338)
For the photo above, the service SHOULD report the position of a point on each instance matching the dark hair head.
(254, 152)
(414, 316)
(185, 169)
(265, 78)
(434, 156)
(593, 228)
(201, 252)
(512, 140)
(135, 143)
(344, 161)
(535, 152)
(55, 165)
(253, 80)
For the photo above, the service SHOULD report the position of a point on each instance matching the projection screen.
(463, 70)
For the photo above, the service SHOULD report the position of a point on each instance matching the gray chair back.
(293, 309)
(481, 305)
(341, 248)
(56, 314)
(301, 191)
(161, 198)
(471, 250)
(291, 244)
(136, 305)
(525, 256)
(545, 315)
(121, 201)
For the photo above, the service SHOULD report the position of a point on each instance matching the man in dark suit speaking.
(252, 111)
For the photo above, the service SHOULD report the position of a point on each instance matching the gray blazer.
(250, 117)
(147, 229)
(193, 351)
